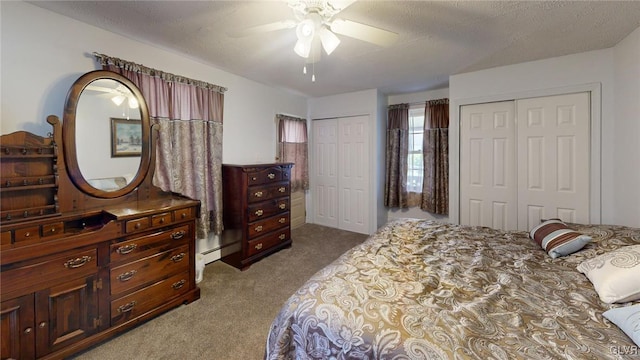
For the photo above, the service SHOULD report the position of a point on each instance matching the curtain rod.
(112, 60)
(419, 102)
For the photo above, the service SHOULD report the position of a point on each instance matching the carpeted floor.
(233, 315)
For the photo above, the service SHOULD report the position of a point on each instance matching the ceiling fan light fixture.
(329, 40)
(303, 48)
(118, 100)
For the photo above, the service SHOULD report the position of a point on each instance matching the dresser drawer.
(161, 219)
(150, 244)
(268, 208)
(262, 227)
(50, 230)
(5, 238)
(50, 269)
(268, 175)
(146, 299)
(184, 214)
(263, 243)
(137, 224)
(266, 192)
(28, 234)
(148, 269)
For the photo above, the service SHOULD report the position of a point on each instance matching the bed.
(420, 289)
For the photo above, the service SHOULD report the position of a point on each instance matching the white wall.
(410, 98)
(609, 71)
(43, 53)
(366, 102)
(626, 152)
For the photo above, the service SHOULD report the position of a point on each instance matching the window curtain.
(188, 115)
(435, 185)
(397, 152)
(293, 148)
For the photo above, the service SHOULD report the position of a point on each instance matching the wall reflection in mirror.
(108, 133)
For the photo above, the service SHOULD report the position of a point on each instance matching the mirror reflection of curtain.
(188, 114)
(293, 147)
(435, 186)
(395, 189)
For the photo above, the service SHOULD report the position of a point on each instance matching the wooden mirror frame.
(69, 135)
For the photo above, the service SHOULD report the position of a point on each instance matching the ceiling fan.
(316, 27)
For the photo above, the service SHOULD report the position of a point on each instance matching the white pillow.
(627, 319)
(615, 275)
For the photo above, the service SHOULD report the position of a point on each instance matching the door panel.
(553, 153)
(17, 330)
(325, 188)
(354, 177)
(487, 165)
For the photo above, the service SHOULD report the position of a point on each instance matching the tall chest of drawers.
(256, 210)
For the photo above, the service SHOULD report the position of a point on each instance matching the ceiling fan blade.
(363, 32)
(279, 25)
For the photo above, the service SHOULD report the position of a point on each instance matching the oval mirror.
(106, 134)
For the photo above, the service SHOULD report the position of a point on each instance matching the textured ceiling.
(436, 38)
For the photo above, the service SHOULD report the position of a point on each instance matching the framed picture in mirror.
(126, 137)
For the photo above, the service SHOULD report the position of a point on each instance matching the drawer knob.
(123, 250)
(53, 229)
(282, 220)
(27, 234)
(42, 325)
(282, 236)
(253, 178)
(77, 262)
(183, 215)
(126, 307)
(177, 285)
(161, 220)
(178, 257)
(271, 176)
(28, 330)
(258, 228)
(258, 194)
(282, 189)
(177, 235)
(259, 212)
(137, 226)
(258, 246)
(127, 276)
(282, 206)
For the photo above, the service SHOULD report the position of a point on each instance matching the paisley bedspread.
(420, 289)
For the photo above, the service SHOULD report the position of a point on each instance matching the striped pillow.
(557, 239)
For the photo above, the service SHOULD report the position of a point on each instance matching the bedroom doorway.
(525, 160)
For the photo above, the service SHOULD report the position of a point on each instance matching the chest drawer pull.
(122, 250)
(282, 220)
(77, 262)
(282, 236)
(127, 276)
(177, 285)
(258, 228)
(271, 176)
(178, 257)
(126, 307)
(259, 212)
(178, 235)
(258, 194)
(259, 246)
(282, 206)
(282, 189)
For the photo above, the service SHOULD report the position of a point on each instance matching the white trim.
(595, 91)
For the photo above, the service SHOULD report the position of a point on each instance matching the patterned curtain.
(435, 185)
(293, 148)
(188, 114)
(395, 188)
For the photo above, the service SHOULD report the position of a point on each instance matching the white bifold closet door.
(341, 173)
(525, 160)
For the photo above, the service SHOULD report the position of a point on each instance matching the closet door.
(353, 172)
(488, 186)
(325, 165)
(553, 159)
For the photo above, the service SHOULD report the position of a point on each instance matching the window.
(415, 163)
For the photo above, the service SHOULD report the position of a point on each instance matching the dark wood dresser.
(256, 210)
(80, 265)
